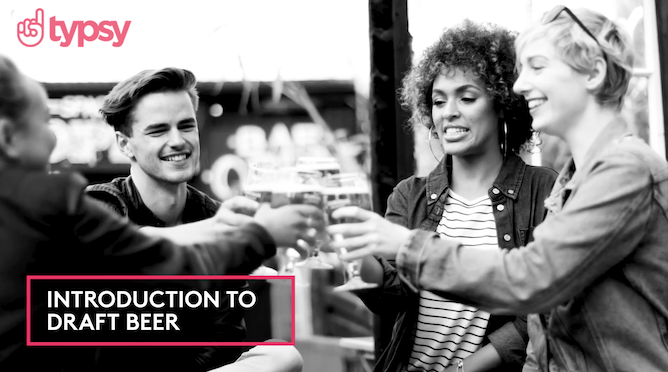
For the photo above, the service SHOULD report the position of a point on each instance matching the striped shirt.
(447, 330)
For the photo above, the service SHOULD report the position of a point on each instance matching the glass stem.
(290, 267)
(316, 249)
(355, 268)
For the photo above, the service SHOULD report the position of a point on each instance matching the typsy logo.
(30, 31)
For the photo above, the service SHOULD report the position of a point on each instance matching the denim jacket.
(517, 198)
(598, 265)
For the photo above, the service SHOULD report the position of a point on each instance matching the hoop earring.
(504, 146)
(429, 138)
(432, 134)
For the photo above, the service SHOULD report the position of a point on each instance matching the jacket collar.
(131, 191)
(613, 132)
(507, 182)
(190, 212)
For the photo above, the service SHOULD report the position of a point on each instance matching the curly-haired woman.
(481, 193)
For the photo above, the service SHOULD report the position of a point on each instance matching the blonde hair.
(579, 50)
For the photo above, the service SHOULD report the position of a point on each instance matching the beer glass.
(260, 181)
(300, 186)
(342, 190)
(319, 167)
(325, 166)
(258, 185)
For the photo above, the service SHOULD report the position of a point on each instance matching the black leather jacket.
(48, 226)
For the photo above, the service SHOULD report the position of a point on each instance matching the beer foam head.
(345, 190)
(291, 188)
(347, 180)
(318, 163)
(258, 187)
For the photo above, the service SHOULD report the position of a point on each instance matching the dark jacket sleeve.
(511, 339)
(115, 246)
(390, 298)
(397, 204)
(225, 322)
(110, 200)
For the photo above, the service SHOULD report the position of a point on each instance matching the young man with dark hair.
(48, 226)
(154, 115)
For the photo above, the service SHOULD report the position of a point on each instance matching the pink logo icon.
(31, 31)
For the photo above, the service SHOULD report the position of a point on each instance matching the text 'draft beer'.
(137, 310)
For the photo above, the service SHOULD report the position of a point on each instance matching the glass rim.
(348, 174)
(317, 158)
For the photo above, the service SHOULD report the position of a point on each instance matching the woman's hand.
(372, 235)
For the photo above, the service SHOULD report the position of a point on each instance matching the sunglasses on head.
(556, 11)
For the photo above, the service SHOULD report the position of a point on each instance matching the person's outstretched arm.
(107, 243)
(572, 248)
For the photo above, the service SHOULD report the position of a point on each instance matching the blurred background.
(280, 79)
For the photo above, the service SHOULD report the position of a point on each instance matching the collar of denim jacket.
(510, 177)
(612, 132)
(508, 181)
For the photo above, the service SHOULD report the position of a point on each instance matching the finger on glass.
(299, 186)
(345, 190)
(307, 175)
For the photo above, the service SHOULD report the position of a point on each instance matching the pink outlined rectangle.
(29, 278)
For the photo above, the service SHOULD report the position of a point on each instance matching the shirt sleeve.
(397, 205)
(107, 198)
(602, 223)
(389, 298)
(510, 343)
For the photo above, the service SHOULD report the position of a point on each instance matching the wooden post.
(662, 31)
(392, 157)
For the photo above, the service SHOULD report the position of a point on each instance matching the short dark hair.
(14, 99)
(119, 104)
(484, 50)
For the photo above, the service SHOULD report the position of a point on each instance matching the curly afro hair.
(487, 52)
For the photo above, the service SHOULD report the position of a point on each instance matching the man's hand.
(241, 204)
(227, 218)
(291, 223)
(372, 235)
(205, 231)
